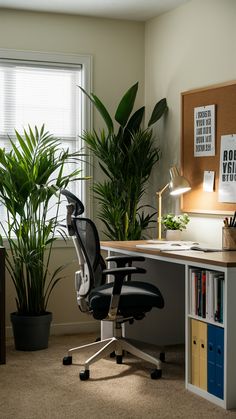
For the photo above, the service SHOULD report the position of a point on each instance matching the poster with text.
(227, 172)
(204, 131)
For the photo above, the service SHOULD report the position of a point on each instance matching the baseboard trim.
(74, 328)
(67, 328)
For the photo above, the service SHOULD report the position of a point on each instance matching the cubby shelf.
(201, 365)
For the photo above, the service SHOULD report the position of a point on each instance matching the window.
(38, 88)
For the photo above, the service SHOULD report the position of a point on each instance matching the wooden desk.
(2, 307)
(223, 262)
(223, 259)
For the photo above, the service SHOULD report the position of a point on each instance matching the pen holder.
(229, 238)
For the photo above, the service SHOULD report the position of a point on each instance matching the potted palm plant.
(126, 157)
(31, 174)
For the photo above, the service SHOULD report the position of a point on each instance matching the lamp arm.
(163, 189)
(159, 203)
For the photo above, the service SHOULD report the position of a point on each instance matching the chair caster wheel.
(155, 374)
(162, 356)
(84, 375)
(67, 360)
(119, 359)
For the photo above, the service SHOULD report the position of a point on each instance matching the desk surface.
(224, 258)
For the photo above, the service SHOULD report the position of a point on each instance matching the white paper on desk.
(177, 246)
(181, 242)
(165, 246)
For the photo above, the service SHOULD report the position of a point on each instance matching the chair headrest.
(78, 207)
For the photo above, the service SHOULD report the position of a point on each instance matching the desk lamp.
(177, 185)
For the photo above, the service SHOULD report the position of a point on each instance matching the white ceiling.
(139, 10)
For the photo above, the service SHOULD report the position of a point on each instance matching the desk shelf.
(223, 262)
(210, 344)
(191, 316)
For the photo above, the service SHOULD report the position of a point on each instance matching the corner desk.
(169, 267)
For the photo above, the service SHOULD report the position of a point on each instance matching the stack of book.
(206, 297)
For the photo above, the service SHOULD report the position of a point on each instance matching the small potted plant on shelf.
(174, 224)
(31, 175)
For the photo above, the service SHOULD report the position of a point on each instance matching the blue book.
(219, 362)
(215, 363)
(211, 371)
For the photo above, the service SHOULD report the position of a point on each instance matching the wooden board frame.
(223, 96)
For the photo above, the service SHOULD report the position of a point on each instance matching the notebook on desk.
(177, 245)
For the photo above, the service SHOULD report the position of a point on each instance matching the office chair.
(118, 301)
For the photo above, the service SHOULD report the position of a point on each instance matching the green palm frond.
(126, 157)
(31, 174)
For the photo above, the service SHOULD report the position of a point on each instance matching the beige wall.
(117, 48)
(190, 47)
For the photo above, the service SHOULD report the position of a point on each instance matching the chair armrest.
(122, 260)
(119, 274)
(123, 271)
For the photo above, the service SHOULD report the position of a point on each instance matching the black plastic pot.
(31, 333)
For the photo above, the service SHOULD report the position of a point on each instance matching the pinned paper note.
(227, 177)
(208, 181)
(204, 131)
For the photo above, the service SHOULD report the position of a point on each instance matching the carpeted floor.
(35, 385)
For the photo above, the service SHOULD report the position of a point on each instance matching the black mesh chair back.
(87, 236)
(86, 240)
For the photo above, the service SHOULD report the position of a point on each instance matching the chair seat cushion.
(136, 299)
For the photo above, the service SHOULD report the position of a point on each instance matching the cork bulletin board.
(223, 97)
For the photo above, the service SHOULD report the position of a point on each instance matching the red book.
(203, 297)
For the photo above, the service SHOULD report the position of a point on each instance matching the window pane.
(1, 98)
(40, 95)
(46, 97)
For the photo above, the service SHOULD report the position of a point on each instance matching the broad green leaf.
(126, 105)
(159, 109)
(104, 113)
(101, 108)
(135, 120)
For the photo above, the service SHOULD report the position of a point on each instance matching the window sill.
(59, 243)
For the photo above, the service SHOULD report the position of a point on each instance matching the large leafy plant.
(31, 174)
(126, 156)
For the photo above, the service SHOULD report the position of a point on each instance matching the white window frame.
(85, 61)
